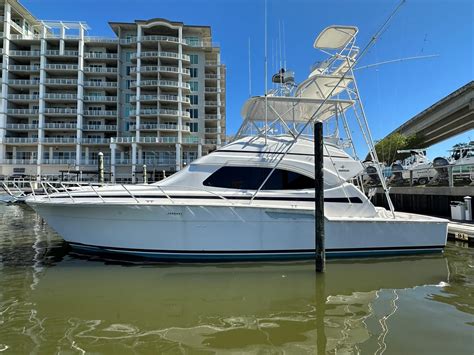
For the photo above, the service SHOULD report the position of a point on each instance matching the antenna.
(266, 74)
(250, 73)
(284, 47)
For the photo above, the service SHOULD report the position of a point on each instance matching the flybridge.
(329, 94)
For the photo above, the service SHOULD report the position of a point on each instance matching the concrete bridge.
(446, 118)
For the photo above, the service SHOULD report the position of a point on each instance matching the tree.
(387, 148)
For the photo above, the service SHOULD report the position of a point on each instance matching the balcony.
(61, 82)
(60, 126)
(167, 140)
(98, 39)
(212, 76)
(212, 63)
(154, 112)
(22, 112)
(97, 98)
(28, 54)
(100, 70)
(157, 162)
(100, 128)
(19, 161)
(95, 55)
(160, 68)
(60, 97)
(61, 67)
(59, 140)
(23, 83)
(20, 140)
(60, 111)
(102, 84)
(95, 140)
(201, 44)
(158, 140)
(211, 104)
(24, 68)
(191, 140)
(28, 37)
(22, 97)
(59, 162)
(157, 54)
(161, 127)
(156, 38)
(211, 117)
(101, 113)
(22, 127)
(210, 141)
(166, 83)
(154, 98)
(56, 53)
(211, 130)
(212, 90)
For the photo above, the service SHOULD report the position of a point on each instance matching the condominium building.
(152, 95)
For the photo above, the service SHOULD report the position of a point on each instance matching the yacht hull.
(203, 233)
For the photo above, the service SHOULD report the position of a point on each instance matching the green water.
(55, 301)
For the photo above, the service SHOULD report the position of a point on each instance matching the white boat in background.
(254, 198)
(417, 167)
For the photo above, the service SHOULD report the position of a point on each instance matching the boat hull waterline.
(207, 233)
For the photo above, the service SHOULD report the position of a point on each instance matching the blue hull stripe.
(245, 256)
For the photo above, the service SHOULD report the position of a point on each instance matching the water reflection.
(52, 300)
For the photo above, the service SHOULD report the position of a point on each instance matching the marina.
(142, 212)
(55, 300)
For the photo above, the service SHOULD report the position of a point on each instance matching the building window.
(193, 99)
(193, 113)
(193, 126)
(192, 41)
(250, 178)
(128, 56)
(194, 58)
(193, 72)
(194, 85)
(127, 98)
(129, 82)
(128, 69)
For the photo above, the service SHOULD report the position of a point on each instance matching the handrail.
(67, 191)
(133, 196)
(90, 185)
(45, 190)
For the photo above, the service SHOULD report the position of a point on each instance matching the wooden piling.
(145, 176)
(101, 167)
(319, 237)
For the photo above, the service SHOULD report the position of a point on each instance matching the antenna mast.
(266, 74)
(250, 74)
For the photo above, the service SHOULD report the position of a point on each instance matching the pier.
(432, 201)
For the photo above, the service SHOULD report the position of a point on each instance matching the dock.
(428, 200)
(463, 231)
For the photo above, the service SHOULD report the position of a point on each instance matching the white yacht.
(417, 167)
(254, 198)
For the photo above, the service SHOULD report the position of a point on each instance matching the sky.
(391, 93)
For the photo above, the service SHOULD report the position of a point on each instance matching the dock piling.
(101, 167)
(145, 176)
(319, 237)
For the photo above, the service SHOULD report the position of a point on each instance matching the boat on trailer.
(253, 198)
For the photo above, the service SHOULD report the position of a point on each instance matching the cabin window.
(250, 178)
